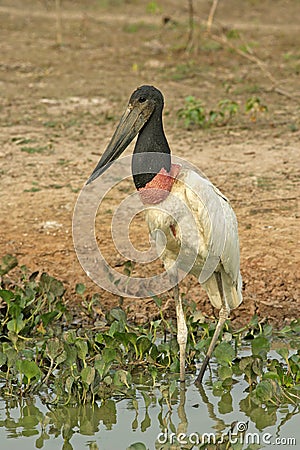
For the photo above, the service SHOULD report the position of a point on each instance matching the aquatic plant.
(42, 350)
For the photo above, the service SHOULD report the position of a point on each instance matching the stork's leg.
(181, 331)
(223, 316)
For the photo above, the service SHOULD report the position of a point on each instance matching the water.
(118, 423)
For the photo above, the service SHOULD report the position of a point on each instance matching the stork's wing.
(217, 223)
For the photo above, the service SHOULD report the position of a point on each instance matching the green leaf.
(225, 403)
(153, 372)
(135, 404)
(103, 364)
(224, 353)
(200, 345)
(67, 356)
(175, 366)
(157, 300)
(3, 358)
(260, 346)
(118, 314)
(82, 349)
(28, 421)
(69, 383)
(147, 399)
(48, 317)
(109, 340)
(132, 338)
(27, 353)
(262, 417)
(116, 327)
(122, 338)
(30, 369)
(121, 378)
(137, 446)
(146, 423)
(88, 375)
(16, 325)
(11, 355)
(257, 366)
(173, 387)
(51, 285)
(80, 288)
(70, 336)
(283, 352)
(268, 329)
(153, 353)
(6, 295)
(143, 344)
(295, 325)
(8, 262)
(67, 433)
(271, 376)
(266, 390)
(224, 372)
(109, 354)
(66, 445)
(39, 443)
(33, 276)
(30, 432)
(99, 338)
(107, 413)
(54, 348)
(245, 362)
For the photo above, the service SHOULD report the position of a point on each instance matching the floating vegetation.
(41, 352)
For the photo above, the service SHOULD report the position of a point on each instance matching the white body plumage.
(197, 220)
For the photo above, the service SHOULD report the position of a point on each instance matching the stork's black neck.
(151, 139)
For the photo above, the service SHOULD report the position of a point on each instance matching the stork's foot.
(223, 316)
(182, 363)
(182, 332)
(202, 370)
(182, 340)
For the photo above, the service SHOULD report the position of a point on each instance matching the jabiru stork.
(157, 180)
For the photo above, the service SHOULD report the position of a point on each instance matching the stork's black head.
(151, 152)
(147, 95)
(144, 116)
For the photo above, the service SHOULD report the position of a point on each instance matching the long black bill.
(130, 124)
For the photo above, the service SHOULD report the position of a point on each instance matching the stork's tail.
(232, 291)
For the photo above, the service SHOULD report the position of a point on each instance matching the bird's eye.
(142, 99)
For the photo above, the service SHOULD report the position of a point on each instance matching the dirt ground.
(60, 105)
